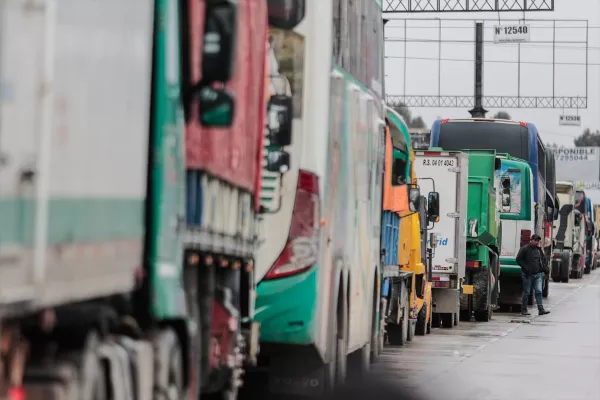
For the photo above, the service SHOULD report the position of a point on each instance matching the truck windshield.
(504, 137)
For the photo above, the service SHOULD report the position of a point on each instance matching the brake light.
(523, 124)
(301, 249)
(473, 264)
(16, 393)
(525, 236)
(445, 120)
(556, 255)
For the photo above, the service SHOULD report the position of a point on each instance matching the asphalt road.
(550, 357)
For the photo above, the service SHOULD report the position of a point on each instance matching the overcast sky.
(500, 78)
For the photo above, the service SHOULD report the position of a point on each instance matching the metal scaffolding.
(424, 6)
(552, 98)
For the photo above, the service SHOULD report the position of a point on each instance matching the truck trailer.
(122, 275)
(447, 174)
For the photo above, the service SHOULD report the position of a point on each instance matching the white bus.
(318, 264)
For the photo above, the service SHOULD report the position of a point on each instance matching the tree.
(416, 123)
(588, 138)
(502, 115)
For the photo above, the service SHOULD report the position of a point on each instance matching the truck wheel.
(168, 376)
(92, 374)
(412, 324)
(483, 316)
(421, 328)
(398, 334)
(359, 362)
(447, 321)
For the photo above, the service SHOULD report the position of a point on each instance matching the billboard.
(578, 164)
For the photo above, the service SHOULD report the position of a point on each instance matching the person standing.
(534, 266)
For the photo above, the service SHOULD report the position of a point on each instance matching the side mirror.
(216, 107)
(433, 207)
(278, 161)
(414, 194)
(218, 50)
(286, 14)
(279, 120)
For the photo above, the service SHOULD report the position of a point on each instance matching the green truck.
(483, 231)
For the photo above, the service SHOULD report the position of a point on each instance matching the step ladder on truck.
(446, 173)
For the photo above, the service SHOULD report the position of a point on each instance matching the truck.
(446, 173)
(581, 231)
(518, 224)
(318, 268)
(564, 234)
(591, 244)
(405, 294)
(485, 197)
(122, 276)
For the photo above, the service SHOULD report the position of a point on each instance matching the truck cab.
(406, 290)
(518, 224)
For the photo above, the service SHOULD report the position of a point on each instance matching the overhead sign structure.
(512, 33)
(569, 120)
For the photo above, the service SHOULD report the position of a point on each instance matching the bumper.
(286, 309)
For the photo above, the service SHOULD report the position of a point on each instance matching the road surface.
(550, 357)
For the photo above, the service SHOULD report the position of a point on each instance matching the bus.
(517, 139)
(318, 267)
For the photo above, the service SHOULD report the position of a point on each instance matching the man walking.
(534, 266)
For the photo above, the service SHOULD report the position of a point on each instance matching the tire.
(330, 367)
(398, 334)
(447, 320)
(168, 375)
(359, 362)
(92, 373)
(565, 280)
(483, 316)
(410, 334)
(421, 326)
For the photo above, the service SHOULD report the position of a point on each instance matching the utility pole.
(478, 111)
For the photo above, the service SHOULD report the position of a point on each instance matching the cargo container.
(129, 225)
(447, 174)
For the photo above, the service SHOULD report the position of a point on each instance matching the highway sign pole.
(478, 111)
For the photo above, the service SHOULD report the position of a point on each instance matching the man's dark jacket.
(526, 261)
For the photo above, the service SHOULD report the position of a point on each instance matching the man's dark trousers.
(537, 281)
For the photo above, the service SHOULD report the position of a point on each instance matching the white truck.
(446, 173)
